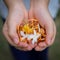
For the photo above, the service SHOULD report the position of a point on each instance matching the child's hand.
(16, 15)
(41, 13)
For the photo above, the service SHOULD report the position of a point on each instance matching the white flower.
(34, 36)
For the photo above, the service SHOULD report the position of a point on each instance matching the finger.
(22, 44)
(49, 32)
(26, 47)
(54, 34)
(22, 49)
(14, 37)
(38, 48)
(12, 29)
(5, 32)
(30, 46)
(15, 18)
(42, 44)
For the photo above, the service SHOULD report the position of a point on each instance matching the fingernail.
(16, 41)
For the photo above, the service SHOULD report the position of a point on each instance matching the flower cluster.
(31, 31)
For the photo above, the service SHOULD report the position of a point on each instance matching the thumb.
(12, 25)
(49, 33)
(14, 19)
(13, 35)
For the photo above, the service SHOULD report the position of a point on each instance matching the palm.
(46, 22)
(15, 17)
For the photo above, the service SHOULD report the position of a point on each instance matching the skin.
(18, 13)
(39, 10)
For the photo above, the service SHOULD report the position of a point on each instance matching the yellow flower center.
(27, 29)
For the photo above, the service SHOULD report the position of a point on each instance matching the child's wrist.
(14, 4)
(40, 3)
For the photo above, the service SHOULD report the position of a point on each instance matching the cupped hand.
(41, 13)
(16, 15)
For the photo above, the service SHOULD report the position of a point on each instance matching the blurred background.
(54, 50)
